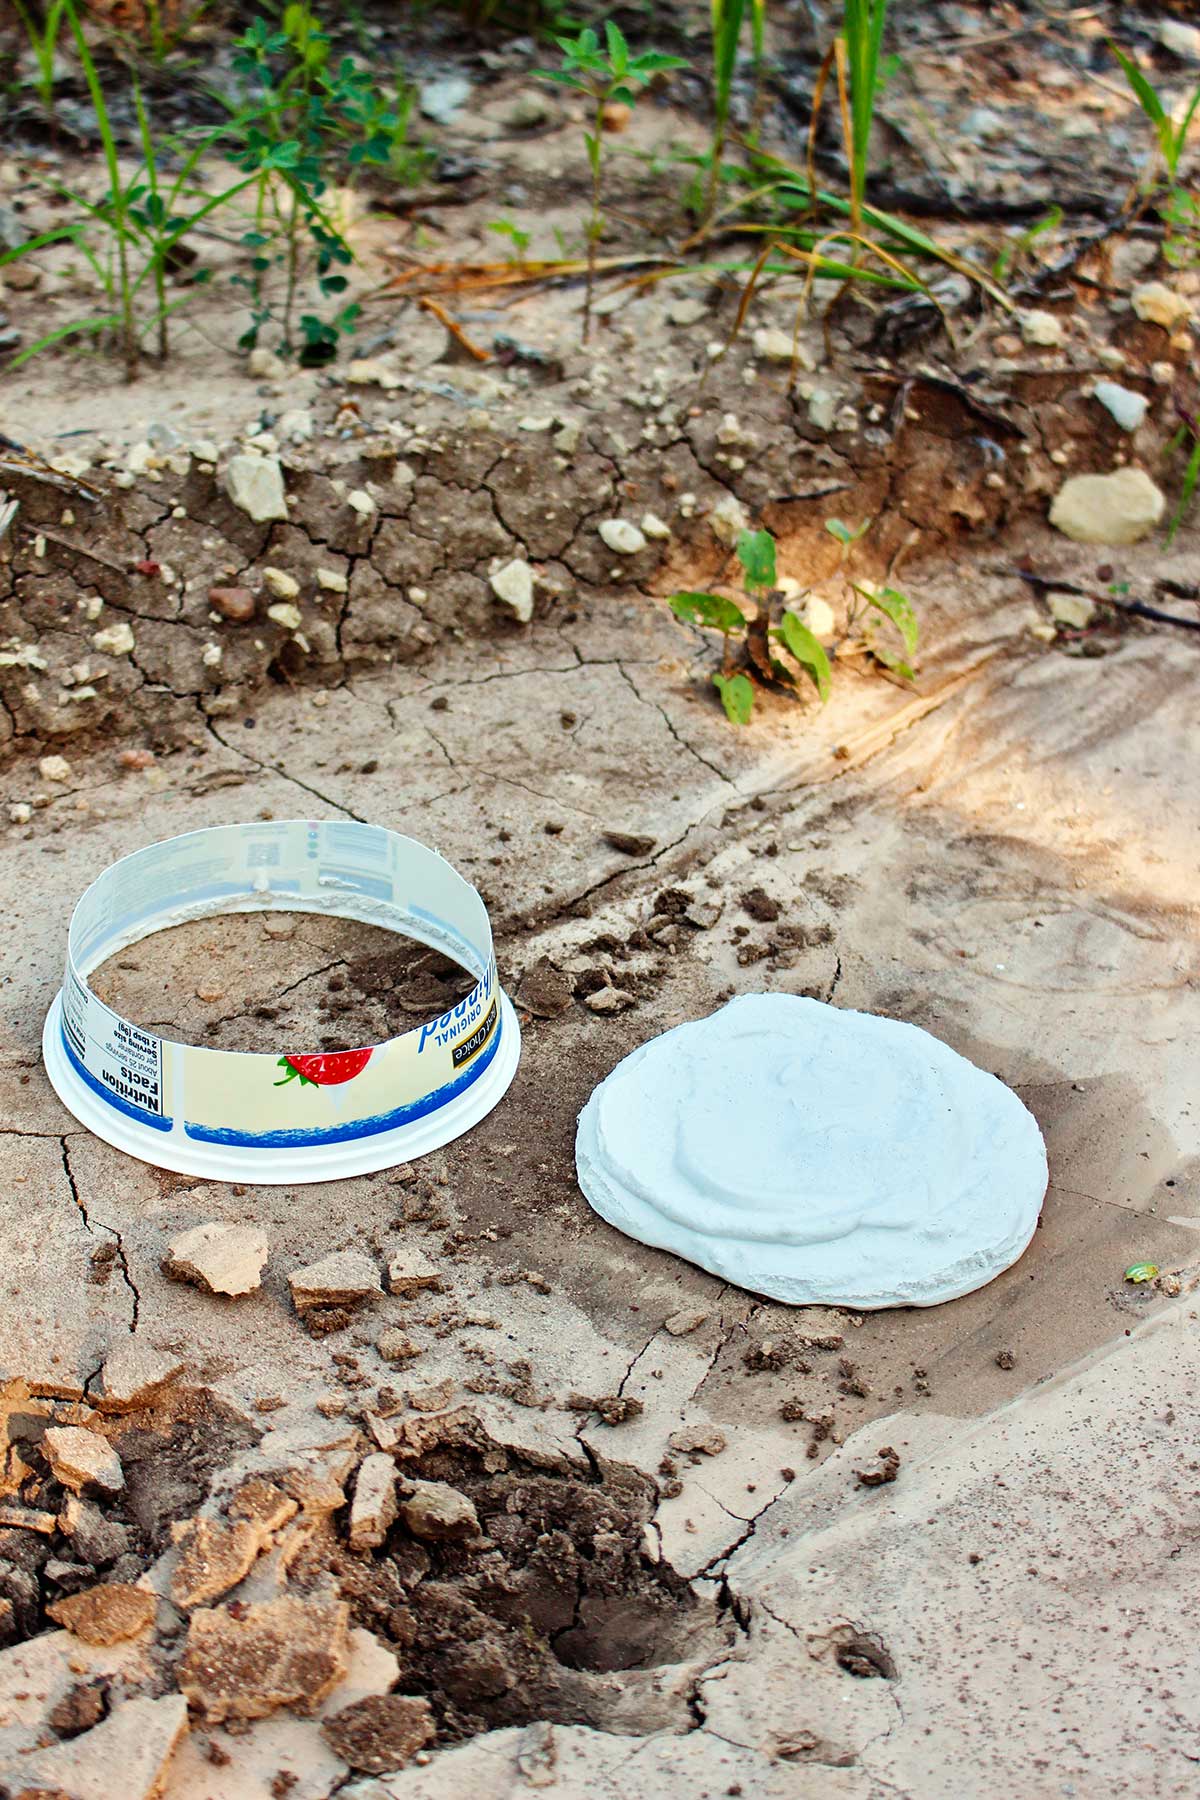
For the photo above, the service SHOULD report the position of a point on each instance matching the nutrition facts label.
(125, 1060)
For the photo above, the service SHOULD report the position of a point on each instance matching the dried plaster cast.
(815, 1155)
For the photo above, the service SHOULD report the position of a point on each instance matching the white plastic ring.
(281, 1117)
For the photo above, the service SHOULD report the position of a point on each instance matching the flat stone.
(133, 1375)
(255, 485)
(373, 1507)
(222, 1259)
(609, 1000)
(345, 1278)
(280, 583)
(214, 1555)
(380, 1733)
(776, 346)
(435, 1510)
(1159, 304)
(409, 1270)
(679, 1324)
(128, 1757)
(1043, 329)
(820, 1156)
(285, 1652)
(440, 100)
(107, 1614)
(114, 640)
(83, 1459)
(1120, 508)
(1125, 406)
(687, 311)
(1072, 609)
(622, 535)
(728, 519)
(513, 584)
(285, 613)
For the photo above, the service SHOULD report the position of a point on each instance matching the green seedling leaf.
(846, 534)
(712, 610)
(898, 608)
(1139, 1272)
(737, 697)
(756, 553)
(808, 651)
(618, 49)
(890, 660)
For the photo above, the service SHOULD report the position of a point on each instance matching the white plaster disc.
(815, 1155)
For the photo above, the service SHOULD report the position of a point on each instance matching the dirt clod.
(105, 1615)
(381, 1732)
(285, 1652)
(890, 1461)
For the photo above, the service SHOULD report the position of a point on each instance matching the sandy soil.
(680, 1583)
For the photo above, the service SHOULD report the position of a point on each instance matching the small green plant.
(755, 640)
(604, 76)
(520, 240)
(43, 37)
(133, 232)
(1178, 205)
(756, 553)
(302, 111)
(865, 599)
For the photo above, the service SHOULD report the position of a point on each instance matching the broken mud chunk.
(219, 1258)
(614, 1409)
(264, 1504)
(285, 1652)
(97, 1539)
(81, 1707)
(374, 1505)
(878, 1477)
(1005, 1359)
(436, 1511)
(345, 1279)
(213, 1557)
(105, 1615)
(395, 1346)
(629, 843)
(698, 1440)
(83, 1459)
(129, 1754)
(381, 1732)
(544, 991)
(409, 1270)
(133, 1375)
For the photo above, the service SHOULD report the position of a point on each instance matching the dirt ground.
(661, 1571)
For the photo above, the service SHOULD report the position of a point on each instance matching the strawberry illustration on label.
(328, 1069)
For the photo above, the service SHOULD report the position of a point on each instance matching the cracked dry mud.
(680, 1582)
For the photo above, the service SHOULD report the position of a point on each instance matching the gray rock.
(255, 485)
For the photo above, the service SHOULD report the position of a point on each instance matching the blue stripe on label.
(300, 1139)
(114, 1100)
